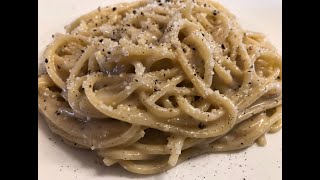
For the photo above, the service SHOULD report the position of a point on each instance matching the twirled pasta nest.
(149, 84)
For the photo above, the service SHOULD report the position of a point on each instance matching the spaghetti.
(150, 84)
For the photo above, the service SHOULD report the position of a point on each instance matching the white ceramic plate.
(58, 161)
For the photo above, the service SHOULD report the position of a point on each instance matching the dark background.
(19, 52)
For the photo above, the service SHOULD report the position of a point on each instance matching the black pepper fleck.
(46, 61)
(196, 98)
(201, 126)
(114, 8)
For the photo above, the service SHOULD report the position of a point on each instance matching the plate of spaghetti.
(160, 89)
